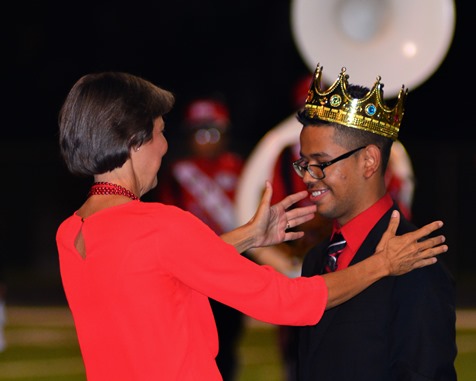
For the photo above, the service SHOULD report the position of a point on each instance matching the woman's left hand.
(271, 224)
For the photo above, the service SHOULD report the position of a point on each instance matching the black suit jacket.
(399, 328)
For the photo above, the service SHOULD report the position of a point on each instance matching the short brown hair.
(104, 116)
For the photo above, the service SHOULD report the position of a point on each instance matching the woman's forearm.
(345, 284)
(241, 238)
(395, 255)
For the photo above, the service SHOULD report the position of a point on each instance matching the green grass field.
(42, 346)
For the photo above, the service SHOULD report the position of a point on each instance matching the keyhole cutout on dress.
(80, 245)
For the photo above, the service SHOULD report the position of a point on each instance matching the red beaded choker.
(105, 188)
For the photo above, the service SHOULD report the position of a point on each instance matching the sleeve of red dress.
(196, 256)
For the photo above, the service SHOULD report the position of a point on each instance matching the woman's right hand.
(409, 251)
(394, 255)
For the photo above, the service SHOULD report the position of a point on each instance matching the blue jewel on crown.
(370, 109)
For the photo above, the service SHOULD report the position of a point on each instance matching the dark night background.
(243, 49)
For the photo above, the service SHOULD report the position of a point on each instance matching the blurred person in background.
(203, 181)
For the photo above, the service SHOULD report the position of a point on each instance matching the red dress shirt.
(355, 231)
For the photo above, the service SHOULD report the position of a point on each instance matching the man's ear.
(372, 160)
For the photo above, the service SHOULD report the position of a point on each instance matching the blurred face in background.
(208, 141)
(207, 122)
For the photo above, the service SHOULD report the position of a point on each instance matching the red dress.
(140, 298)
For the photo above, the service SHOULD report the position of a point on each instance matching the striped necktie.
(336, 246)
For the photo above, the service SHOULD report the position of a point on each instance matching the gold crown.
(368, 113)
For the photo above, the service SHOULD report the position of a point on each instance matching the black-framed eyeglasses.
(317, 170)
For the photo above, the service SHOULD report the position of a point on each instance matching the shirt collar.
(356, 230)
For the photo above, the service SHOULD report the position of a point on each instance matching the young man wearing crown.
(400, 328)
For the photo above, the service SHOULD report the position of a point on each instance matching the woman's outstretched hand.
(394, 255)
(411, 250)
(271, 224)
